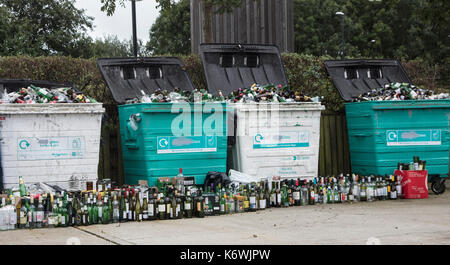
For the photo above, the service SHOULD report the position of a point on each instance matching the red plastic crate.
(414, 183)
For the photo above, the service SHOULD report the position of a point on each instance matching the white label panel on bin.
(186, 144)
(413, 137)
(42, 148)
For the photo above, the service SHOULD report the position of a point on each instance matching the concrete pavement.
(383, 222)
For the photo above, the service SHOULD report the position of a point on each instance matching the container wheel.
(438, 186)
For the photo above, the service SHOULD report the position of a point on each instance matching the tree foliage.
(43, 27)
(402, 29)
(110, 46)
(170, 34)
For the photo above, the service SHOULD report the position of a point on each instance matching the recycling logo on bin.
(163, 143)
(186, 144)
(392, 136)
(24, 144)
(413, 137)
(259, 138)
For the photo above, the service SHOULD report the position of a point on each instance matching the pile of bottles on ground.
(255, 93)
(416, 164)
(399, 91)
(109, 204)
(33, 94)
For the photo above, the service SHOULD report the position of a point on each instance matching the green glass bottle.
(330, 197)
(200, 205)
(43, 93)
(363, 190)
(246, 201)
(145, 207)
(105, 210)
(257, 192)
(23, 189)
(223, 202)
(23, 215)
(90, 208)
(285, 195)
(267, 193)
(273, 196)
(110, 207)
(262, 198)
(31, 213)
(94, 216)
(63, 214)
(100, 209)
(161, 207)
(137, 208)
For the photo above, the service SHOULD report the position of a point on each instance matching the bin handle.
(132, 145)
(361, 135)
(422, 106)
(130, 135)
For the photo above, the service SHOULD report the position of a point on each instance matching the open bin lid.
(129, 78)
(354, 77)
(231, 66)
(14, 85)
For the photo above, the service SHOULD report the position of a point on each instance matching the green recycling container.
(154, 143)
(160, 138)
(383, 133)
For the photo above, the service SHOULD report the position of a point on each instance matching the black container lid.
(14, 85)
(129, 78)
(231, 66)
(354, 77)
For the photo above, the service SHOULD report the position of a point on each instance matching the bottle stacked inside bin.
(400, 91)
(255, 93)
(34, 94)
(268, 93)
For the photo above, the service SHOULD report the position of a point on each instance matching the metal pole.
(133, 11)
(342, 50)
